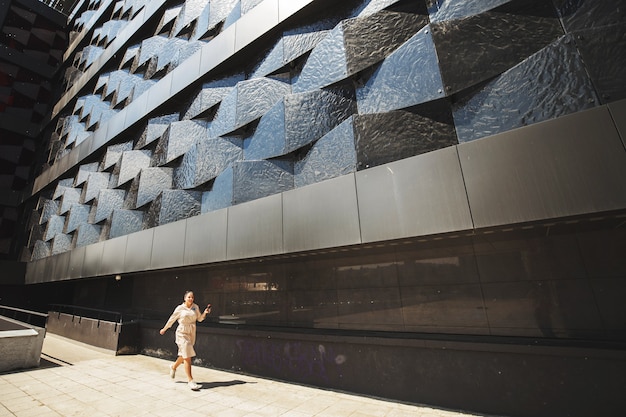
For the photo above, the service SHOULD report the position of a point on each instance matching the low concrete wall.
(121, 338)
(20, 345)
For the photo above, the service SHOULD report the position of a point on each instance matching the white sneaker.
(172, 372)
(194, 386)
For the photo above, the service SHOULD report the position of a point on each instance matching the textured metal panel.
(113, 256)
(387, 137)
(256, 22)
(139, 251)
(492, 42)
(169, 245)
(417, 196)
(321, 215)
(255, 228)
(604, 52)
(568, 166)
(409, 76)
(205, 238)
(93, 259)
(526, 94)
(372, 38)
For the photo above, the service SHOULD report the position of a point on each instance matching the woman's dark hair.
(186, 292)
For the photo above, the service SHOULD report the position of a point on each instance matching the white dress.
(186, 330)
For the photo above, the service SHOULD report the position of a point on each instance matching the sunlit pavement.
(77, 380)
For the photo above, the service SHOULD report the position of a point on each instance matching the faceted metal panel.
(205, 160)
(173, 205)
(387, 137)
(321, 215)
(178, 139)
(372, 38)
(577, 15)
(205, 238)
(255, 228)
(604, 53)
(87, 234)
(492, 42)
(168, 246)
(564, 167)
(71, 196)
(150, 183)
(54, 227)
(139, 251)
(256, 179)
(418, 196)
(526, 94)
(279, 131)
(124, 222)
(113, 254)
(131, 163)
(78, 214)
(41, 250)
(107, 201)
(409, 76)
(331, 156)
(95, 182)
(93, 259)
(113, 154)
(455, 9)
(326, 64)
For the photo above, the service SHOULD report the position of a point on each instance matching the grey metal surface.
(93, 259)
(113, 255)
(564, 167)
(205, 238)
(168, 246)
(618, 113)
(139, 251)
(417, 196)
(321, 215)
(255, 228)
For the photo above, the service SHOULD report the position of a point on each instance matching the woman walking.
(186, 314)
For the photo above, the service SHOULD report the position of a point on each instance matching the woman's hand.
(162, 331)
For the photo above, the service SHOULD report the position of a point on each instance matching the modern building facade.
(421, 200)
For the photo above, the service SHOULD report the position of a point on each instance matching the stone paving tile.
(89, 382)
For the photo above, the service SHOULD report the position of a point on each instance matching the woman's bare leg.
(179, 360)
(187, 368)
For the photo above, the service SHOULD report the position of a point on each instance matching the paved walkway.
(79, 380)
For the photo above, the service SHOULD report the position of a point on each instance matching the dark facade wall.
(500, 377)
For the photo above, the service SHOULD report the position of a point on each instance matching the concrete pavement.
(78, 380)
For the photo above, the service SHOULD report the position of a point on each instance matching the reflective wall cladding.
(522, 283)
(338, 89)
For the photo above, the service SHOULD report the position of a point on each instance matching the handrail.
(34, 318)
(92, 313)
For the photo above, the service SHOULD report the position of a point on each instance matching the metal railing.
(90, 313)
(33, 318)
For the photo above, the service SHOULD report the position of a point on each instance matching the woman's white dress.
(186, 330)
